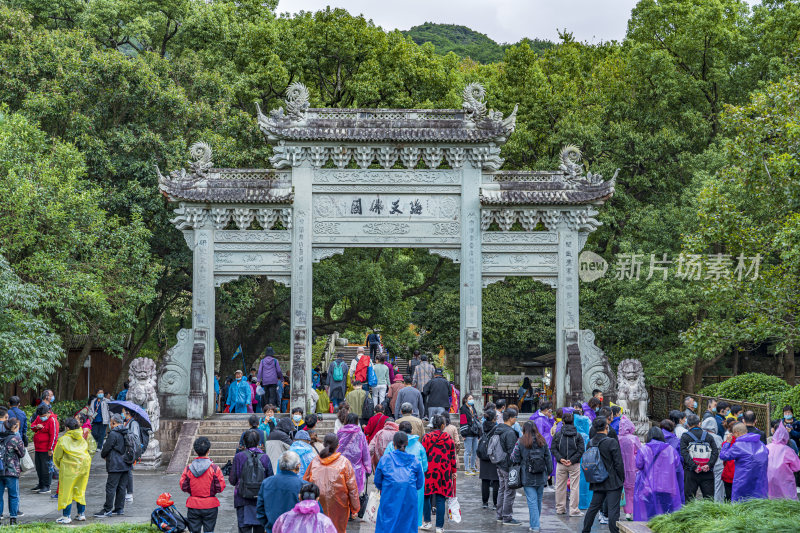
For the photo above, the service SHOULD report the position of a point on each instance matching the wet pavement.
(148, 485)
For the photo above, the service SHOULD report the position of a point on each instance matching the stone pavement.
(148, 485)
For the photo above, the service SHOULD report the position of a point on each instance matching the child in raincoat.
(305, 516)
(73, 458)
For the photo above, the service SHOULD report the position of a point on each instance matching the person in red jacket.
(729, 466)
(45, 436)
(203, 480)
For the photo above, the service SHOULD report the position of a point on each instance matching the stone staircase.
(348, 353)
(224, 431)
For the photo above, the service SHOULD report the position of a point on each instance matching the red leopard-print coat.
(441, 464)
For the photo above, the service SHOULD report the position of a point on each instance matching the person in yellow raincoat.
(73, 458)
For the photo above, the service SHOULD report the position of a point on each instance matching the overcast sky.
(505, 21)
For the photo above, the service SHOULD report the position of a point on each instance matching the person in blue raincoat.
(583, 424)
(398, 476)
(414, 448)
(240, 395)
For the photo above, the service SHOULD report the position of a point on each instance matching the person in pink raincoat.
(629, 444)
(353, 445)
(751, 458)
(783, 462)
(305, 516)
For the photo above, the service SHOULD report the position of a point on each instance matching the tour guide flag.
(237, 353)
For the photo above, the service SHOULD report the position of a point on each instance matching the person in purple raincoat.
(668, 432)
(783, 463)
(751, 458)
(246, 512)
(543, 418)
(629, 444)
(659, 478)
(353, 445)
(594, 404)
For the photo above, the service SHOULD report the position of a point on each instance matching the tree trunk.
(789, 365)
(75, 369)
(735, 364)
(694, 380)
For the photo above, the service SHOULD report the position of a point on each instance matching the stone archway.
(424, 178)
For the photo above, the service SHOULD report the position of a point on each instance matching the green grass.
(704, 516)
(38, 527)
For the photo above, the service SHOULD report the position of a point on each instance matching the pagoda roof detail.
(473, 124)
(208, 184)
(567, 186)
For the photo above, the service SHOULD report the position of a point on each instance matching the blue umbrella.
(136, 412)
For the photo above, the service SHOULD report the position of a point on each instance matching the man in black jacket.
(609, 490)
(699, 453)
(567, 449)
(505, 495)
(437, 395)
(750, 422)
(114, 454)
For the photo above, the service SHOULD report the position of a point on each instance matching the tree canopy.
(696, 107)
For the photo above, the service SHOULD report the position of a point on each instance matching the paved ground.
(148, 485)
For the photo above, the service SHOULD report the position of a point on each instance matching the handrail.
(330, 350)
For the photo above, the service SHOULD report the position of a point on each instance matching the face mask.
(52, 399)
(253, 379)
(238, 379)
(788, 417)
(596, 409)
(297, 418)
(470, 402)
(44, 417)
(694, 405)
(714, 409)
(100, 395)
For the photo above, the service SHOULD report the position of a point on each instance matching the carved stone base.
(173, 379)
(597, 372)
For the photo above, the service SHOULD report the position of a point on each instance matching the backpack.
(368, 407)
(168, 519)
(361, 370)
(252, 476)
(483, 446)
(5, 455)
(699, 449)
(495, 449)
(338, 373)
(133, 448)
(372, 378)
(144, 437)
(536, 463)
(594, 469)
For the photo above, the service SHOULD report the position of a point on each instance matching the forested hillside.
(697, 107)
(465, 42)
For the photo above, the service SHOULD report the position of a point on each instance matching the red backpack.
(360, 374)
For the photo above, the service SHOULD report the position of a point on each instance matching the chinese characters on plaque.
(694, 267)
(378, 207)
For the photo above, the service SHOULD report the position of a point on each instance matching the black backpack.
(252, 475)
(133, 448)
(483, 446)
(5, 455)
(536, 460)
(368, 407)
(168, 520)
(144, 437)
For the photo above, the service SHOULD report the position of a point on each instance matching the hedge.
(706, 516)
(751, 387)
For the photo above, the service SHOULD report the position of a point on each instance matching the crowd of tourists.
(394, 457)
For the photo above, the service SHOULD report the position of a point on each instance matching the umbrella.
(136, 412)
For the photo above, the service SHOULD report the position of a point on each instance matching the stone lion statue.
(142, 391)
(632, 393)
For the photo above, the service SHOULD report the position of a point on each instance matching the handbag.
(372, 378)
(373, 503)
(454, 510)
(26, 463)
(515, 477)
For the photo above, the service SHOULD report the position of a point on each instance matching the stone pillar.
(203, 309)
(302, 260)
(471, 356)
(567, 307)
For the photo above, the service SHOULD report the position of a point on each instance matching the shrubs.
(705, 516)
(752, 387)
